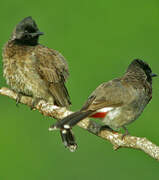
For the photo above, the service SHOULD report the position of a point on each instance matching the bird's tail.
(65, 125)
(68, 139)
(71, 120)
(60, 94)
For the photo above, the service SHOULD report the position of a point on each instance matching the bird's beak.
(38, 33)
(153, 75)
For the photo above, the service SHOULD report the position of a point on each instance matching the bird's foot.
(105, 127)
(18, 98)
(126, 132)
(35, 103)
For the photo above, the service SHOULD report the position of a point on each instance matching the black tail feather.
(65, 120)
(65, 126)
(68, 139)
(71, 120)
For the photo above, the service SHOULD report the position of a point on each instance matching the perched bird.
(32, 69)
(35, 70)
(118, 102)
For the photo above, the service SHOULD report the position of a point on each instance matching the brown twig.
(115, 138)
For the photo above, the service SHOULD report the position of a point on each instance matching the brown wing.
(111, 94)
(53, 69)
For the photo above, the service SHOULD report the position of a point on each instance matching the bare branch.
(113, 137)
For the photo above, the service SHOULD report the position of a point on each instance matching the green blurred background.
(99, 39)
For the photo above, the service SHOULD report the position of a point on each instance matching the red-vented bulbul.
(118, 102)
(35, 70)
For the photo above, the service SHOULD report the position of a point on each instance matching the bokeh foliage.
(99, 40)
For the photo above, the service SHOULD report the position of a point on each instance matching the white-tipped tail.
(53, 128)
(72, 148)
(66, 126)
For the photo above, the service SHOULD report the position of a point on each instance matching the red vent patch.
(99, 115)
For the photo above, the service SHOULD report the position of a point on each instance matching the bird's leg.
(105, 127)
(126, 132)
(35, 103)
(18, 98)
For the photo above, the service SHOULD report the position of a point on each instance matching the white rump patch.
(106, 109)
(114, 113)
(66, 126)
(64, 131)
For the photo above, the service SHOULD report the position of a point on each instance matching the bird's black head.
(26, 32)
(142, 69)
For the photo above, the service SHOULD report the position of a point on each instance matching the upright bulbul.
(32, 69)
(118, 102)
(35, 70)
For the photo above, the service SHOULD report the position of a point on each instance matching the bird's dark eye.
(29, 30)
(149, 71)
(27, 35)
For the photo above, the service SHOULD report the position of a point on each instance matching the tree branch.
(113, 137)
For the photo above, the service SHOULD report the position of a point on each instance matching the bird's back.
(36, 71)
(53, 69)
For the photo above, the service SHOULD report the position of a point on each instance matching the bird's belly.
(116, 117)
(23, 78)
(119, 117)
(113, 118)
(110, 116)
